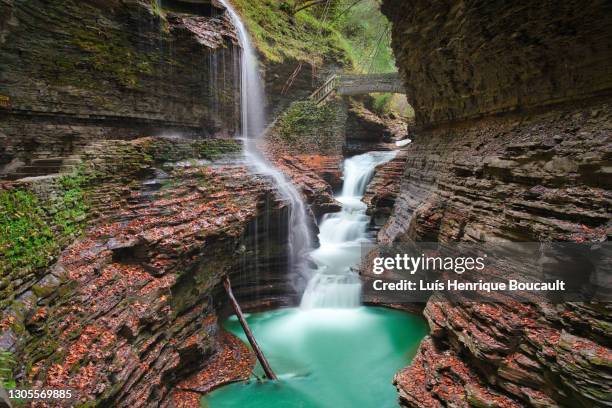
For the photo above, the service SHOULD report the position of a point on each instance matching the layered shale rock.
(474, 58)
(366, 131)
(513, 142)
(315, 175)
(129, 310)
(308, 142)
(384, 188)
(76, 71)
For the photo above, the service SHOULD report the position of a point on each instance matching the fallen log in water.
(260, 355)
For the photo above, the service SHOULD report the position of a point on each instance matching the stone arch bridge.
(354, 84)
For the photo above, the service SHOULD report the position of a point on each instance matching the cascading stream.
(331, 353)
(335, 285)
(313, 349)
(252, 104)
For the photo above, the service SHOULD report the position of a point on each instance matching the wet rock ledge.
(130, 307)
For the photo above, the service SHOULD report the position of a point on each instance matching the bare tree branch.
(308, 5)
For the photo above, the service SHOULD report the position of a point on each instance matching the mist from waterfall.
(335, 285)
(253, 123)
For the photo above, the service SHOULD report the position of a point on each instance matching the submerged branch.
(245, 326)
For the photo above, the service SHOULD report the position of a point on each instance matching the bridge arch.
(355, 84)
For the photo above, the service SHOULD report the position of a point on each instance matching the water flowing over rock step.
(347, 85)
(334, 284)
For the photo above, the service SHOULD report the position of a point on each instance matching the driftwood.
(260, 355)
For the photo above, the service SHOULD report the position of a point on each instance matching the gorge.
(150, 148)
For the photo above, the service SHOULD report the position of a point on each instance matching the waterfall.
(335, 285)
(252, 104)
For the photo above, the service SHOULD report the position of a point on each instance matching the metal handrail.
(341, 83)
(324, 90)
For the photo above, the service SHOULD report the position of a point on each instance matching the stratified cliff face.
(465, 59)
(514, 142)
(128, 315)
(76, 71)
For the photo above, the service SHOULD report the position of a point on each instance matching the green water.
(340, 358)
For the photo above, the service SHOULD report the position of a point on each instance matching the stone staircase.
(44, 166)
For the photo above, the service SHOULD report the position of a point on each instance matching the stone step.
(37, 170)
(42, 166)
(67, 169)
(17, 176)
(49, 161)
(32, 172)
(71, 161)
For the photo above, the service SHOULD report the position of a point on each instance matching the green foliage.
(353, 33)
(7, 365)
(214, 148)
(33, 232)
(279, 35)
(367, 33)
(302, 117)
(72, 208)
(382, 104)
(27, 241)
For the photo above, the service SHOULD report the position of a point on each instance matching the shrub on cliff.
(354, 34)
(7, 365)
(303, 118)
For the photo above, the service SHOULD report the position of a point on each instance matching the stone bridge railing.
(343, 84)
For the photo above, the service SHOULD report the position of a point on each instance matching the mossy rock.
(303, 118)
(35, 231)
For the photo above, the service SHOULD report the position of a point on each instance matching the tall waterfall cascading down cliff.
(113, 261)
(252, 108)
(332, 284)
(300, 342)
(341, 237)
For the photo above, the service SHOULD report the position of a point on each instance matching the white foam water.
(252, 105)
(334, 284)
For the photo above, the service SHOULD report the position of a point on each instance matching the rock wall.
(129, 310)
(513, 142)
(383, 190)
(462, 59)
(76, 71)
(366, 131)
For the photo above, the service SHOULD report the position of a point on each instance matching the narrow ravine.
(331, 352)
(323, 350)
(166, 164)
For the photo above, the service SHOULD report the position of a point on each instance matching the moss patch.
(302, 117)
(97, 49)
(27, 241)
(306, 127)
(7, 365)
(215, 148)
(382, 104)
(33, 231)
